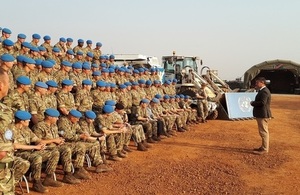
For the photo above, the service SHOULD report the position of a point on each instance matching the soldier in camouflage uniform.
(35, 40)
(74, 133)
(21, 38)
(105, 123)
(202, 103)
(83, 98)
(11, 168)
(23, 137)
(61, 45)
(97, 96)
(79, 47)
(185, 103)
(47, 130)
(132, 130)
(47, 43)
(97, 52)
(18, 98)
(27, 70)
(55, 55)
(124, 97)
(69, 43)
(65, 99)
(170, 110)
(63, 73)
(7, 62)
(92, 145)
(76, 76)
(142, 117)
(8, 47)
(25, 48)
(37, 101)
(86, 71)
(50, 97)
(78, 57)
(47, 72)
(69, 56)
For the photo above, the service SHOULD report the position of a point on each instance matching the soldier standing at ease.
(202, 103)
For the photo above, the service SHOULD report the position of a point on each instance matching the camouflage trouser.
(21, 166)
(170, 121)
(161, 131)
(148, 129)
(202, 108)
(138, 133)
(179, 120)
(127, 136)
(36, 158)
(103, 147)
(113, 142)
(7, 183)
(154, 128)
(93, 150)
(76, 149)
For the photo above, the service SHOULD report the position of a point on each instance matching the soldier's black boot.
(38, 187)
(49, 181)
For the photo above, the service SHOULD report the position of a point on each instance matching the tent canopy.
(271, 66)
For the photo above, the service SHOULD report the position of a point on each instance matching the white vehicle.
(137, 60)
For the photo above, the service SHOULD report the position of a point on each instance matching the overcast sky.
(228, 35)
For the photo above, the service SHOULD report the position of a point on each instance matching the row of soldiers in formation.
(62, 50)
(82, 122)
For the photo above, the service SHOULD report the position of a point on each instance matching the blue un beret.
(136, 71)
(108, 109)
(20, 58)
(145, 101)
(105, 70)
(89, 42)
(80, 41)
(156, 81)
(122, 86)
(90, 114)
(66, 63)
(148, 82)
(69, 39)
(87, 82)
(90, 54)
(21, 36)
(70, 52)
(111, 56)
(6, 30)
(86, 66)
(41, 48)
(155, 100)
(41, 84)
(29, 60)
(158, 96)
(75, 113)
(38, 62)
(95, 65)
(22, 115)
(77, 65)
(26, 44)
(36, 36)
(96, 73)
(51, 83)
(110, 102)
(103, 65)
(166, 97)
(24, 80)
(141, 81)
(34, 49)
(8, 42)
(79, 53)
(101, 83)
(62, 39)
(56, 49)
(47, 37)
(47, 64)
(99, 44)
(7, 58)
(128, 83)
(67, 82)
(135, 83)
(52, 112)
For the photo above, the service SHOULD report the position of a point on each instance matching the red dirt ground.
(211, 158)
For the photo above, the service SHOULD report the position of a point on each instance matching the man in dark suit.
(262, 112)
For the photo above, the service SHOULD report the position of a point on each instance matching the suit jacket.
(262, 104)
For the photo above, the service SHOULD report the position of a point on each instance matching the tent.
(284, 75)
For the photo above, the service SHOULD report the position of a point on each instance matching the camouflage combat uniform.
(11, 168)
(25, 136)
